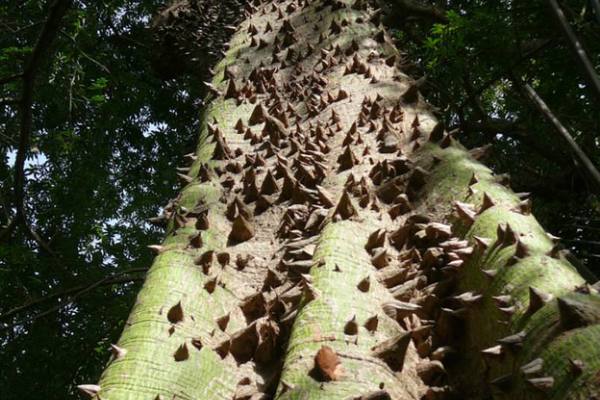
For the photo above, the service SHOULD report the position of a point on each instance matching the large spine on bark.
(332, 241)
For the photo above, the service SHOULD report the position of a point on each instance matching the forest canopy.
(100, 102)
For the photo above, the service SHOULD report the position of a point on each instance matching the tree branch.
(73, 292)
(33, 235)
(579, 154)
(512, 129)
(83, 53)
(525, 56)
(49, 31)
(576, 48)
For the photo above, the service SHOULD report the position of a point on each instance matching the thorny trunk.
(334, 242)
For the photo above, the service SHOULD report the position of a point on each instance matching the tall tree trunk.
(334, 242)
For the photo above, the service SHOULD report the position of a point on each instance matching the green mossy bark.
(451, 180)
(340, 260)
(342, 263)
(148, 370)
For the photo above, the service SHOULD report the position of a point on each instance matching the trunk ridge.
(332, 241)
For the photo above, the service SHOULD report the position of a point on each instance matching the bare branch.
(49, 31)
(73, 293)
(578, 153)
(83, 53)
(513, 129)
(539, 45)
(33, 235)
(576, 48)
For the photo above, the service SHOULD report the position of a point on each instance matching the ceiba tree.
(333, 241)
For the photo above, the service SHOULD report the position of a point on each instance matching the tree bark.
(320, 248)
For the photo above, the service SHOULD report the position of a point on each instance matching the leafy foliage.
(470, 61)
(107, 137)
